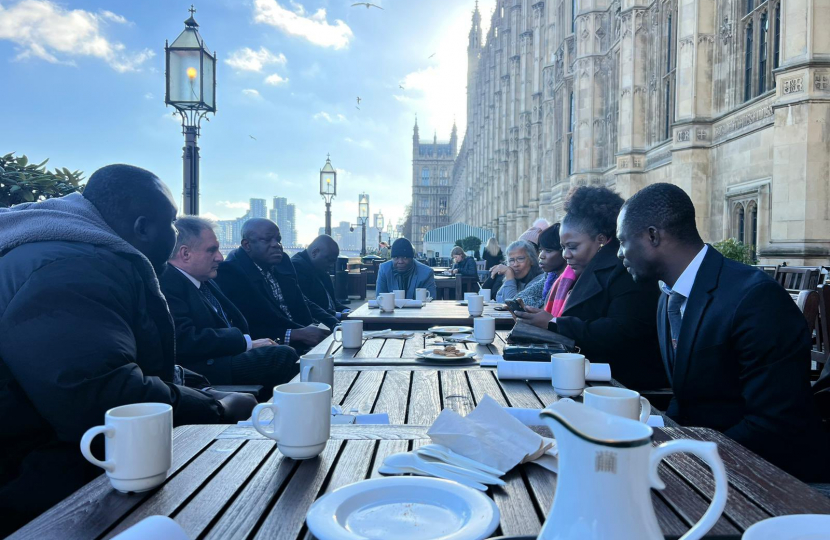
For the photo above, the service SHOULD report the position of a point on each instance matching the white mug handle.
(306, 373)
(587, 368)
(428, 298)
(708, 452)
(334, 334)
(259, 427)
(86, 441)
(645, 409)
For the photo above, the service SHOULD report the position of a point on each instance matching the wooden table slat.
(455, 391)
(386, 448)
(394, 395)
(364, 391)
(484, 383)
(518, 515)
(425, 400)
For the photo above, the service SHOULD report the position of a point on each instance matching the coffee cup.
(568, 372)
(467, 296)
(351, 334)
(484, 330)
(422, 295)
(399, 294)
(317, 368)
(138, 445)
(386, 302)
(618, 401)
(485, 293)
(302, 418)
(475, 305)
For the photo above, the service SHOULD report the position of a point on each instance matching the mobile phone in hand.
(515, 305)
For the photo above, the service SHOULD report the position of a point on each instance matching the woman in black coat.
(611, 318)
(492, 254)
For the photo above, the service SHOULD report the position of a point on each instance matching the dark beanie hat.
(403, 248)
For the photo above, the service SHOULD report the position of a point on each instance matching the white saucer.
(449, 330)
(429, 355)
(795, 527)
(403, 508)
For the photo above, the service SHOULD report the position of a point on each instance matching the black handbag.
(527, 333)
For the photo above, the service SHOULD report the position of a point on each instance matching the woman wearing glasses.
(521, 270)
(595, 301)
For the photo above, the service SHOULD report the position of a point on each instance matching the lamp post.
(379, 226)
(190, 88)
(328, 189)
(363, 218)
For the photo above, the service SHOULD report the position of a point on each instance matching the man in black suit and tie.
(260, 280)
(735, 346)
(212, 336)
(313, 266)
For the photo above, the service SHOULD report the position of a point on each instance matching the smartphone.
(515, 305)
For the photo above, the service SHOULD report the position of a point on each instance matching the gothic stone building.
(728, 99)
(432, 166)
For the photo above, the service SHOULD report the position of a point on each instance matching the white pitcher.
(607, 467)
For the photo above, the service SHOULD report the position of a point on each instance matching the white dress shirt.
(686, 281)
(198, 284)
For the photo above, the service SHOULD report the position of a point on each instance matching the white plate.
(429, 355)
(403, 508)
(797, 527)
(441, 330)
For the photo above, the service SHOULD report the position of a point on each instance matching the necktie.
(675, 317)
(205, 290)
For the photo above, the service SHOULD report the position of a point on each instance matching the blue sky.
(83, 84)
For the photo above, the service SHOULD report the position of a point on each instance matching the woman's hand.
(502, 269)
(535, 316)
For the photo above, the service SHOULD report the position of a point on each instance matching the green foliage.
(736, 250)
(471, 243)
(21, 181)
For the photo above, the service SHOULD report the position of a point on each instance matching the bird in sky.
(430, 56)
(358, 100)
(367, 4)
(356, 107)
(401, 87)
(251, 136)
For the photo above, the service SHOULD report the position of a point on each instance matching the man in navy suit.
(212, 336)
(735, 346)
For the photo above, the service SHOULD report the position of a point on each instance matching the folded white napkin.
(154, 527)
(490, 360)
(489, 435)
(540, 371)
(388, 334)
(372, 303)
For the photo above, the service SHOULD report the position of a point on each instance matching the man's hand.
(310, 335)
(255, 344)
(535, 316)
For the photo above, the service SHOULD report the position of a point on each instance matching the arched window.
(762, 42)
(741, 223)
(571, 125)
(762, 53)
(748, 64)
(425, 176)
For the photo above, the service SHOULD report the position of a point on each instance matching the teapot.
(607, 466)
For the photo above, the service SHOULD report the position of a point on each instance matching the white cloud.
(109, 15)
(246, 59)
(250, 92)
(209, 215)
(238, 205)
(275, 80)
(45, 30)
(313, 28)
(363, 144)
(329, 118)
(149, 95)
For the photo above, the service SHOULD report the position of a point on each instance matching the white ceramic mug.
(485, 293)
(475, 305)
(423, 295)
(317, 368)
(386, 302)
(618, 401)
(568, 372)
(467, 296)
(399, 294)
(351, 334)
(138, 444)
(484, 330)
(302, 418)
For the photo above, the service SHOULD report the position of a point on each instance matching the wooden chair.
(799, 278)
(808, 303)
(767, 269)
(821, 344)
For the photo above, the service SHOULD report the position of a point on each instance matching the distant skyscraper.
(284, 215)
(258, 209)
(291, 224)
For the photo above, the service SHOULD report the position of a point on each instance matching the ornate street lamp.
(191, 89)
(363, 218)
(328, 189)
(379, 226)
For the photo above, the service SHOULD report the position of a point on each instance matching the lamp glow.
(191, 73)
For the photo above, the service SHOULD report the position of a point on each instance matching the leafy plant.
(736, 250)
(471, 243)
(21, 181)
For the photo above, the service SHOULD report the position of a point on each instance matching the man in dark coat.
(212, 336)
(313, 266)
(84, 329)
(735, 346)
(260, 280)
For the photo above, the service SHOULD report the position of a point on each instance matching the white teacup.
(399, 294)
(317, 368)
(302, 418)
(422, 295)
(485, 293)
(484, 330)
(138, 445)
(618, 401)
(351, 334)
(475, 305)
(568, 372)
(386, 302)
(467, 296)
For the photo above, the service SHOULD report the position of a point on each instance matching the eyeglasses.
(517, 260)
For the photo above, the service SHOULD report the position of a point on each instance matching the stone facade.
(432, 167)
(729, 99)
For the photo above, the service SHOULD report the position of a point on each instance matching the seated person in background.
(260, 280)
(313, 266)
(595, 301)
(492, 254)
(211, 334)
(521, 270)
(734, 344)
(403, 272)
(466, 266)
(84, 329)
(383, 251)
(532, 234)
(551, 262)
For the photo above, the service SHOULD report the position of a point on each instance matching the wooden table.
(435, 313)
(229, 482)
(446, 287)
